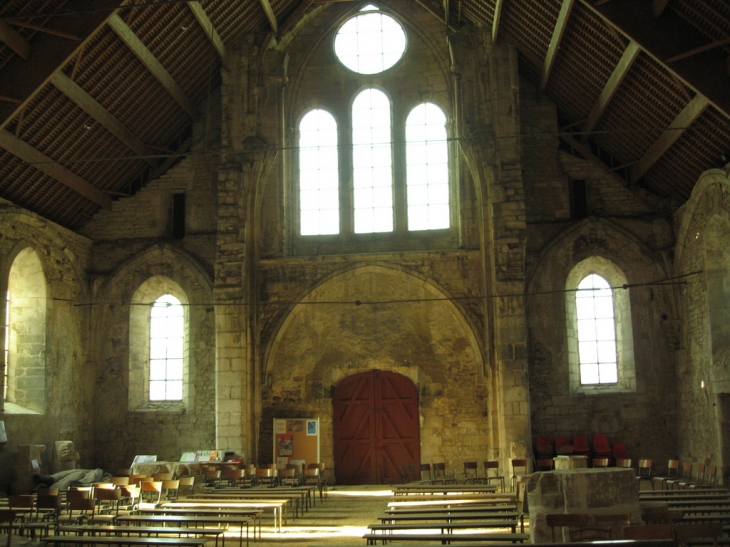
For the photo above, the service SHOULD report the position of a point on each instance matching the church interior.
(507, 223)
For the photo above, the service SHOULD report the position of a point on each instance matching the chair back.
(545, 464)
(120, 481)
(561, 520)
(162, 476)
(645, 468)
(289, 476)
(471, 471)
(624, 463)
(8, 516)
(600, 462)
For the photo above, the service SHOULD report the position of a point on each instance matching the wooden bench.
(372, 539)
(393, 518)
(249, 509)
(407, 490)
(446, 503)
(146, 531)
(497, 509)
(125, 541)
(445, 527)
(189, 520)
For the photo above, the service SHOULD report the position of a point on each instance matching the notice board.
(296, 439)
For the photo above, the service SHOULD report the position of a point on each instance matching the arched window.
(372, 162)
(167, 343)
(596, 331)
(319, 205)
(159, 347)
(427, 161)
(600, 334)
(25, 335)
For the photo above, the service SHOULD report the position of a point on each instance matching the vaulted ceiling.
(97, 98)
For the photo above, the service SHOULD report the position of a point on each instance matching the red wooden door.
(375, 427)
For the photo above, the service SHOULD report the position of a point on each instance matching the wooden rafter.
(270, 15)
(151, 63)
(14, 40)
(47, 30)
(697, 50)
(72, 90)
(677, 128)
(558, 31)
(614, 81)
(290, 21)
(40, 161)
(586, 152)
(207, 25)
(497, 16)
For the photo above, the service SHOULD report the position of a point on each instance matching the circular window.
(370, 42)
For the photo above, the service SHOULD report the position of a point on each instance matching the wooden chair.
(407, 473)
(288, 477)
(471, 473)
(232, 477)
(136, 479)
(672, 473)
(162, 476)
(517, 464)
(649, 531)
(600, 462)
(7, 520)
(698, 479)
(169, 486)
(150, 492)
(212, 477)
(24, 506)
(267, 476)
(684, 474)
(298, 468)
(565, 521)
(439, 474)
(644, 472)
(492, 466)
(624, 463)
(48, 509)
(312, 477)
(81, 510)
(108, 502)
(425, 470)
(124, 472)
(186, 485)
(709, 480)
(120, 481)
(545, 464)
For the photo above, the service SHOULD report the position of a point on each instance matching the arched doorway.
(376, 427)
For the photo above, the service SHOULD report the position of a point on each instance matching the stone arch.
(25, 311)
(413, 330)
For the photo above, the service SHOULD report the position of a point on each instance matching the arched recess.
(408, 327)
(26, 303)
(375, 426)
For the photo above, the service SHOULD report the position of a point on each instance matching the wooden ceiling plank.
(290, 21)
(150, 61)
(40, 161)
(495, 22)
(270, 15)
(657, 7)
(677, 128)
(47, 30)
(697, 50)
(14, 41)
(613, 83)
(24, 79)
(74, 92)
(208, 27)
(558, 32)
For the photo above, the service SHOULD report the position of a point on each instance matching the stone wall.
(67, 407)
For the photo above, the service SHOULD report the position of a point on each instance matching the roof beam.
(290, 21)
(704, 74)
(270, 15)
(446, 12)
(208, 27)
(677, 128)
(558, 31)
(74, 92)
(614, 81)
(697, 50)
(14, 41)
(23, 79)
(495, 22)
(50, 167)
(47, 30)
(150, 61)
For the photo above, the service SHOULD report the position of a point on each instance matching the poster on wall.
(296, 426)
(311, 427)
(286, 445)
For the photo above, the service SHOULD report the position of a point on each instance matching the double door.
(376, 427)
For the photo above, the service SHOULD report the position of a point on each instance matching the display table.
(571, 462)
(178, 469)
(597, 491)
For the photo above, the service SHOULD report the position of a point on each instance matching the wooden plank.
(208, 27)
(50, 167)
(151, 62)
(14, 41)
(613, 83)
(677, 128)
(270, 15)
(24, 79)
(47, 30)
(558, 31)
(495, 22)
(74, 92)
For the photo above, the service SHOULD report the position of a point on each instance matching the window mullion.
(398, 130)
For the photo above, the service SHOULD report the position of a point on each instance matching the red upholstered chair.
(544, 447)
(619, 451)
(601, 448)
(563, 446)
(580, 445)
